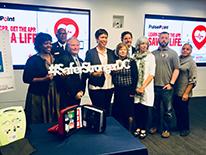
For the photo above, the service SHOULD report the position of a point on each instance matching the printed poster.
(6, 70)
(181, 30)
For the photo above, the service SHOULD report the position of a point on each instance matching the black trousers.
(102, 99)
(67, 100)
(123, 106)
(141, 116)
(182, 113)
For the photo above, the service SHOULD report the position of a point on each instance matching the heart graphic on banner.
(70, 29)
(69, 25)
(199, 36)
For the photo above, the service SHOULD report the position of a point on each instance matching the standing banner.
(6, 70)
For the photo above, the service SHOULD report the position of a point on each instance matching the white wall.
(102, 12)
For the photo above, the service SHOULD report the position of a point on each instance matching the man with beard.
(167, 71)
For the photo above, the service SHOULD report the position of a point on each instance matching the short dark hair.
(59, 30)
(100, 32)
(164, 32)
(40, 39)
(125, 33)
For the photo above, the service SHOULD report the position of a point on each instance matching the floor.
(194, 144)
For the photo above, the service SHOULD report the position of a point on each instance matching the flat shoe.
(142, 134)
(165, 134)
(153, 130)
(137, 132)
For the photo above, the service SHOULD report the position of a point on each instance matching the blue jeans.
(162, 112)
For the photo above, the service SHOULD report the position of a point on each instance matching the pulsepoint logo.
(7, 18)
(158, 27)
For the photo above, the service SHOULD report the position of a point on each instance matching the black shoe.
(184, 133)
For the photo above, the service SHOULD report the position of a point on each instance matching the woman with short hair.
(186, 81)
(100, 83)
(144, 97)
(42, 100)
(125, 82)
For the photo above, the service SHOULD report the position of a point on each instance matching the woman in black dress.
(42, 101)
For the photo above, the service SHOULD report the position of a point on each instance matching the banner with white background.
(181, 30)
(6, 69)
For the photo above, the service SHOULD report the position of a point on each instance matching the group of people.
(158, 79)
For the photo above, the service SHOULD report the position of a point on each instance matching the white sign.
(6, 69)
(57, 69)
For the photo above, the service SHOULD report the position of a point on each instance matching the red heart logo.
(69, 25)
(199, 36)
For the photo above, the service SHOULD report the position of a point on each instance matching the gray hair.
(142, 40)
(72, 38)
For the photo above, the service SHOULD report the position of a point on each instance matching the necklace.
(101, 51)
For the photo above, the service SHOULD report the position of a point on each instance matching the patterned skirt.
(43, 108)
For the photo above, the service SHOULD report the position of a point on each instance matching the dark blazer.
(58, 51)
(93, 58)
(133, 50)
(72, 83)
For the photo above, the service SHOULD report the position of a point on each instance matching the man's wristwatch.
(172, 85)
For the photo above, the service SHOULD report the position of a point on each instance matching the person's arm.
(150, 77)
(40, 79)
(134, 75)
(188, 89)
(175, 75)
(145, 84)
(192, 81)
(31, 71)
(79, 95)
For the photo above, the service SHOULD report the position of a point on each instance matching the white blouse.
(108, 78)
